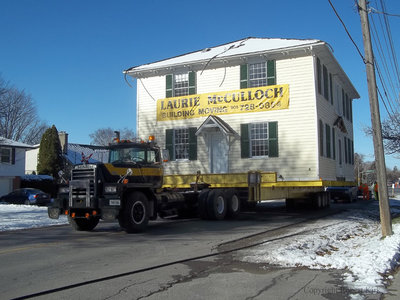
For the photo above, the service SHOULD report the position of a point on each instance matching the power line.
(391, 60)
(348, 33)
(389, 33)
(383, 13)
(382, 56)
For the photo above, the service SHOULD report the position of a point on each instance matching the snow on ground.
(13, 217)
(351, 241)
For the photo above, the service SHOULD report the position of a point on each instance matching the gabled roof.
(15, 144)
(232, 49)
(339, 123)
(216, 122)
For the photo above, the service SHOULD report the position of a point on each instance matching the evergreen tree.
(50, 159)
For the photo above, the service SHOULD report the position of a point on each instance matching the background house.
(73, 154)
(12, 164)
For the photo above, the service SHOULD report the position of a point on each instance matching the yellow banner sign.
(257, 99)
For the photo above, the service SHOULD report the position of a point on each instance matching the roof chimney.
(63, 136)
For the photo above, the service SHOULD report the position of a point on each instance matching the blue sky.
(69, 55)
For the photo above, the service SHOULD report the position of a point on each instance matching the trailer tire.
(321, 200)
(233, 202)
(83, 224)
(216, 205)
(203, 197)
(135, 215)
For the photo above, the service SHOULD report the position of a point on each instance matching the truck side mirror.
(165, 155)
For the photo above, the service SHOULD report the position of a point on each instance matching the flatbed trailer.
(133, 189)
(256, 186)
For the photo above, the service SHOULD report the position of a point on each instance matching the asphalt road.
(173, 259)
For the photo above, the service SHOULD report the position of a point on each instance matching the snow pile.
(32, 177)
(13, 217)
(350, 241)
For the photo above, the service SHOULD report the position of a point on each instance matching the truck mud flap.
(203, 196)
(53, 212)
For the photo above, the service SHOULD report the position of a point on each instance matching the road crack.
(125, 288)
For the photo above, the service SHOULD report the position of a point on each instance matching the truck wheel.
(216, 205)
(83, 224)
(135, 215)
(203, 197)
(233, 202)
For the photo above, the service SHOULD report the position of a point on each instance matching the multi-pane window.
(321, 137)
(181, 143)
(257, 74)
(324, 81)
(5, 155)
(328, 140)
(181, 84)
(259, 139)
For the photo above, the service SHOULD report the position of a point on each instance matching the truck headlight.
(110, 189)
(63, 190)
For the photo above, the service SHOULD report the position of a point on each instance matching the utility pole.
(384, 209)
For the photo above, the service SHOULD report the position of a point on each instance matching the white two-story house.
(279, 105)
(12, 163)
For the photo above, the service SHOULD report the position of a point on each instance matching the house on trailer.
(12, 164)
(274, 105)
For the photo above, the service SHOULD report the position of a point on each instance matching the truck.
(132, 188)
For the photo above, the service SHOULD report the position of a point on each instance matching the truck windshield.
(133, 155)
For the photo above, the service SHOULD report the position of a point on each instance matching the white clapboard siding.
(328, 113)
(298, 136)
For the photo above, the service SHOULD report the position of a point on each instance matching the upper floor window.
(5, 155)
(257, 74)
(180, 84)
(324, 81)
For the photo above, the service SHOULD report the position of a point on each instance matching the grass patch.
(396, 220)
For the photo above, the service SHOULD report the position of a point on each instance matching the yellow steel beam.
(240, 180)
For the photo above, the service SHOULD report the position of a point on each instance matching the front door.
(219, 149)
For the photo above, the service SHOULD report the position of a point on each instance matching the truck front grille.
(82, 187)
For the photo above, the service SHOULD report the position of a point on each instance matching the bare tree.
(393, 175)
(390, 135)
(104, 136)
(18, 116)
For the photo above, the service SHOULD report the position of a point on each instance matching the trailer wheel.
(328, 199)
(135, 215)
(216, 205)
(321, 200)
(83, 224)
(233, 202)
